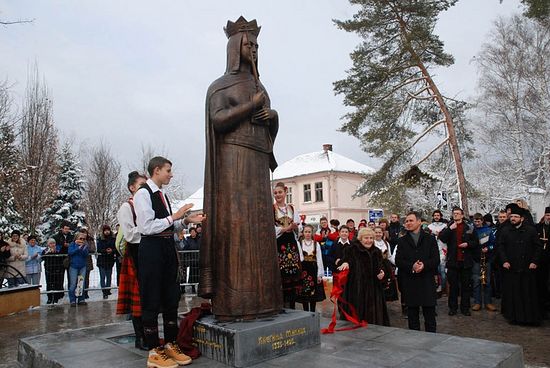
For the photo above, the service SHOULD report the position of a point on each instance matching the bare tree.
(103, 188)
(514, 98)
(38, 149)
(176, 188)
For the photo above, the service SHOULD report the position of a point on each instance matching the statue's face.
(249, 49)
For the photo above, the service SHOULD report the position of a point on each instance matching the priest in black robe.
(520, 251)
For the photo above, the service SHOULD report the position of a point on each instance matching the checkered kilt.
(128, 290)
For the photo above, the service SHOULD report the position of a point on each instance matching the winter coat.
(53, 262)
(363, 290)
(486, 235)
(105, 259)
(192, 243)
(60, 239)
(419, 289)
(78, 256)
(32, 264)
(18, 250)
(92, 249)
(394, 230)
(5, 254)
(449, 236)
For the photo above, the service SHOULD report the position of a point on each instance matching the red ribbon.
(338, 282)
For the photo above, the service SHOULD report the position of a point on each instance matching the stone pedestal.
(242, 344)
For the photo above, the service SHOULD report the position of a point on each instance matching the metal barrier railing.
(54, 277)
(189, 270)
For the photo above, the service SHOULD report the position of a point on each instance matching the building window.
(307, 192)
(319, 192)
(289, 195)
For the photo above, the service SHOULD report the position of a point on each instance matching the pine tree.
(66, 206)
(396, 102)
(10, 219)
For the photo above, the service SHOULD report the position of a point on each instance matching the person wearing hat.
(520, 251)
(33, 267)
(106, 254)
(543, 230)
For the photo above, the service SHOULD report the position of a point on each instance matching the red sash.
(338, 281)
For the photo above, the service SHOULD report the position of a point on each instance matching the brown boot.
(173, 351)
(491, 307)
(158, 359)
(476, 307)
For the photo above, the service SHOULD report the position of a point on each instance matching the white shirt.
(126, 220)
(381, 244)
(435, 228)
(147, 224)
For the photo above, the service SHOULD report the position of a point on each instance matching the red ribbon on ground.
(338, 282)
(185, 333)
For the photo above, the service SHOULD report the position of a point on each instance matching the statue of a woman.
(239, 269)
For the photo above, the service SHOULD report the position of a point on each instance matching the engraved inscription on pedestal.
(241, 344)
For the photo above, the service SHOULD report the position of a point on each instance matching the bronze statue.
(239, 269)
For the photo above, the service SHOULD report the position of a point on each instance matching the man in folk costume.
(240, 130)
(158, 264)
(543, 230)
(520, 251)
(128, 238)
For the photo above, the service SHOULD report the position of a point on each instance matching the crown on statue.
(241, 25)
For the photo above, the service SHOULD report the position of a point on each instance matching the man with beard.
(543, 230)
(520, 251)
(497, 265)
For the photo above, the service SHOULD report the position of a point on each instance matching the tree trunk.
(452, 140)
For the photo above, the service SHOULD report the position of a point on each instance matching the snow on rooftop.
(319, 161)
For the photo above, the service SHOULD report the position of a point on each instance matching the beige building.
(322, 183)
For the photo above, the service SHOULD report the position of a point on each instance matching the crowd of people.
(418, 261)
(62, 255)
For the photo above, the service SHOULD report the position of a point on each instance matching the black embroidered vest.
(159, 208)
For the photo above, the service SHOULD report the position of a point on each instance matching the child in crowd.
(312, 290)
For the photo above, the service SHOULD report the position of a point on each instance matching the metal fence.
(54, 276)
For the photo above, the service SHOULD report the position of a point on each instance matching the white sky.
(136, 72)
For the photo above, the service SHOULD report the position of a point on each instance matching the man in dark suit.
(418, 260)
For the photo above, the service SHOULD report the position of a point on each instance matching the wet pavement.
(484, 325)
